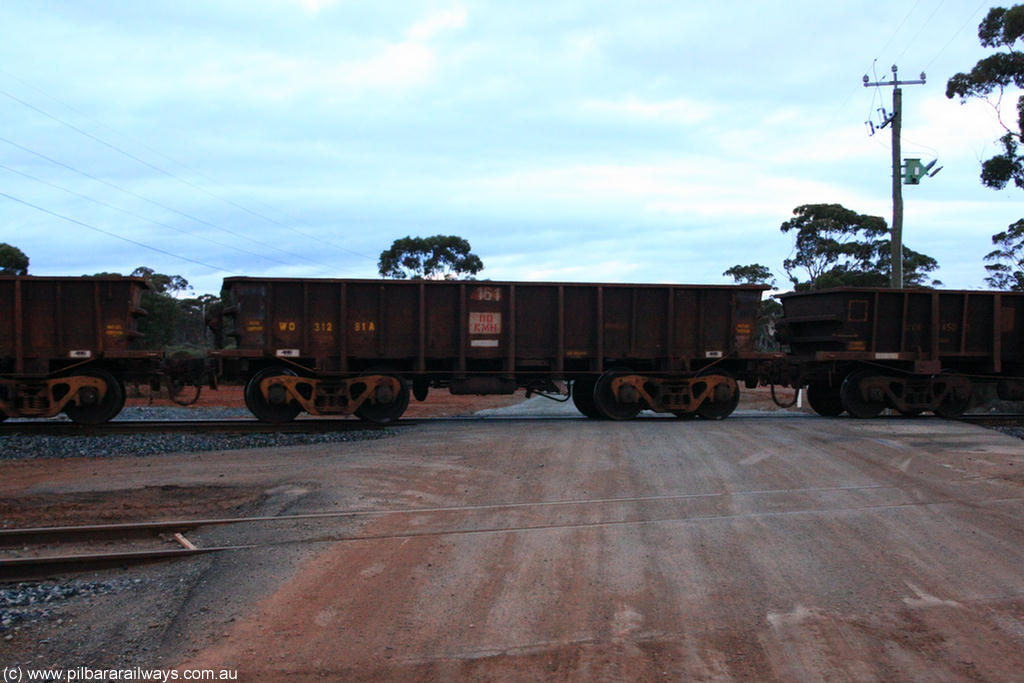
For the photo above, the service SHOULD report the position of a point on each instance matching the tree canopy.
(163, 325)
(835, 247)
(444, 257)
(769, 311)
(160, 283)
(1001, 29)
(13, 261)
(171, 323)
(753, 274)
(1006, 270)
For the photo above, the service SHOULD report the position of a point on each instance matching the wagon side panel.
(537, 324)
(364, 324)
(1008, 331)
(489, 322)
(582, 314)
(324, 323)
(441, 317)
(9, 324)
(398, 306)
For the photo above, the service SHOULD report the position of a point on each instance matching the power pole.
(895, 119)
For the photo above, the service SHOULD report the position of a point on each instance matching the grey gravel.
(1012, 431)
(137, 413)
(130, 413)
(20, 447)
(27, 602)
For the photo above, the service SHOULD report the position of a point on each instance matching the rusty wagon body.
(864, 349)
(329, 346)
(68, 344)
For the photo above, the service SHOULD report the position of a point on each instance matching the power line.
(172, 175)
(111, 234)
(917, 35)
(898, 28)
(154, 202)
(138, 216)
(969, 19)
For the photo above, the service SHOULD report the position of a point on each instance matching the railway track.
(39, 552)
(994, 419)
(34, 553)
(313, 425)
(250, 426)
(237, 426)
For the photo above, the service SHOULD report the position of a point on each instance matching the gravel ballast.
(142, 445)
(26, 602)
(20, 447)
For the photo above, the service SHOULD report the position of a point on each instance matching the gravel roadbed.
(29, 601)
(20, 447)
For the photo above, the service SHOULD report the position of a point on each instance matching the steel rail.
(36, 566)
(301, 426)
(337, 425)
(26, 568)
(19, 536)
(32, 567)
(237, 426)
(22, 568)
(993, 419)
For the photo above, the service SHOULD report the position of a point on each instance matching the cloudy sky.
(567, 140)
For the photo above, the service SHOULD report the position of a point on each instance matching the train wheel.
(854, 403)
(722, 401)
(824, 399)
(91, 409)
(953, 406)
(277, 407)
(685, 414)
(608, 404)
(388, 406)
(583, 398)
(3, 416)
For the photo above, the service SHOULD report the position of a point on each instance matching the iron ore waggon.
(338, 347)
(67, 344)
(912, 350)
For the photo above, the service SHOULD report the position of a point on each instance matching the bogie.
(268, 399)
(96, 403)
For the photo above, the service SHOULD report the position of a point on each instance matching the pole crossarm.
(894, 84)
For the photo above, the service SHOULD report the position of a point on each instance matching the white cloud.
(382, 66)
(400, 65)
(594, 137)
(266, 75)
(580, 46)
(694, 186)
(613, 270)
(314, 6)
(678, 110)
(969, 130)
(437, 23)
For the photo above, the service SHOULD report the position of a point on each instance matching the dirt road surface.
(758, 548)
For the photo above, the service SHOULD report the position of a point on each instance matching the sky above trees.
(648, 142)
